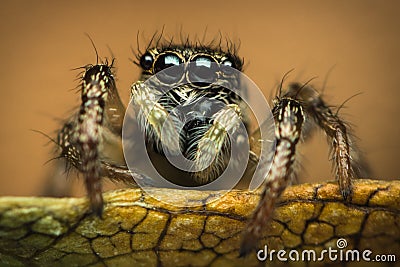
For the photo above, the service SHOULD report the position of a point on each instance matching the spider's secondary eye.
(164, 62)
(146, 61)
(226, 64)
(202, 71)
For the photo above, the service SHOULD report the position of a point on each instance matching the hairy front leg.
(289, 120)
(94, 133)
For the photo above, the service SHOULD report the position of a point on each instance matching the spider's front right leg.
(348, 162)
(289, 119)
(94, 134)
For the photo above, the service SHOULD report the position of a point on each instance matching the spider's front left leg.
(289, 119)
(94, 134)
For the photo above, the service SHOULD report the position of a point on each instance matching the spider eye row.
(202, 67)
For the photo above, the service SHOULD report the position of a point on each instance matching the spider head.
(182, 99)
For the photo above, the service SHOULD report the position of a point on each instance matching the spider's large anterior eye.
(146, 61)
(202, 71)
(167, 60)
(164, 63)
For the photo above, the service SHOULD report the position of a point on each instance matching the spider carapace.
(91, 140)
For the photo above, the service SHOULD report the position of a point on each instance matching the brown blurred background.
(41, 41)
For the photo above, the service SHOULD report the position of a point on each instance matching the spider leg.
(212, 153)
(289, 119)
(94, 134)
(155, 119)
(347, 160)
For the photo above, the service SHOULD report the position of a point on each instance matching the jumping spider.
(91, 141)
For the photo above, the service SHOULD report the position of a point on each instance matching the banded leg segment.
(83, 139)
(289, 120)
(87, 131)
(347, 160)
